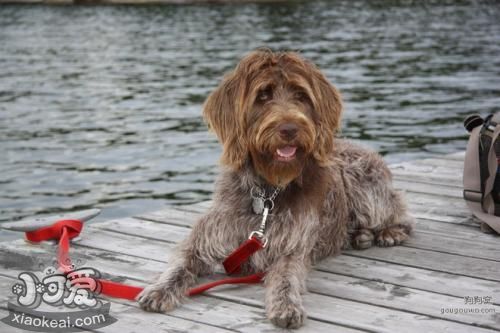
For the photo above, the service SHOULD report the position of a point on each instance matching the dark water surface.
(100, 106)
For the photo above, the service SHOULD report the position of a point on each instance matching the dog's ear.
(222, 112)
(328, 105)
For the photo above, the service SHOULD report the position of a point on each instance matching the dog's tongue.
(287, 151)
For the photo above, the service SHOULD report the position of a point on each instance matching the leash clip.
(260, 236)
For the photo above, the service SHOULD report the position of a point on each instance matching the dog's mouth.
(286, 153)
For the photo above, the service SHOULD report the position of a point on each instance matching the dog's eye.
(301, 96)
(264, 95)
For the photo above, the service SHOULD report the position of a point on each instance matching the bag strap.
(480, 168)
(496, 185)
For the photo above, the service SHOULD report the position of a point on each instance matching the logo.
(57, 301)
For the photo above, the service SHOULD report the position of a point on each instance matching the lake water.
(100, 105)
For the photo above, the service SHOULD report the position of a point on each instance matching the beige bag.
(482, 170)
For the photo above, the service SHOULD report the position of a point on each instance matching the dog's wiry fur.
(334, 194)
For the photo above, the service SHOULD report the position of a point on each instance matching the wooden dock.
(426, 285)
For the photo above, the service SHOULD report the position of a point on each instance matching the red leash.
(65, 230)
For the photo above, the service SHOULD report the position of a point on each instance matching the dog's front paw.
(287, 315)
(158, 298)
(391, 236)
(363, 239)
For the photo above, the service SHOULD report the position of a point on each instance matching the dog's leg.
(284, 283)
(398, 224)
(170, 289)
(398, 227)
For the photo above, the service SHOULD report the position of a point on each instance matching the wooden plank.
(21, 256)
(429, 259)
(442, 243)
(355, 289)
(411, 277)
(430, 203)
(131, 318)
(161, 231)
(360, 315)
(430, 167)
(212, 311)
(425, 214)
(201, 314)
(436, 261)
(396, 297)
(428, 176)
(440, 171)
(452, 164)
(147, 229)
(128, 317)
(488, 248)
(445, 205)
(125, 244)
(441, 191)
(172, 216)
(425, 178)
(200, 207)
(455, 230)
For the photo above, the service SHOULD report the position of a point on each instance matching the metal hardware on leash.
(260, 233)
(262, 227)
(260, 200)
(263, 205)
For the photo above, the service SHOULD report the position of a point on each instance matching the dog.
(277, 116)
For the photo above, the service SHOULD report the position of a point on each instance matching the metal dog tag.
(258, 205)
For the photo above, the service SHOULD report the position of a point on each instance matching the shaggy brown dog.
(276, 116)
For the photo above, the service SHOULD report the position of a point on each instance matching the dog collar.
(260, 200)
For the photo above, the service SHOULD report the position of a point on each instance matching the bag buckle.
(473, 196)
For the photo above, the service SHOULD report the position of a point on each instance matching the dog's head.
(276, 110)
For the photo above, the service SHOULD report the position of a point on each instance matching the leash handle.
(62, 230)
(55, 231)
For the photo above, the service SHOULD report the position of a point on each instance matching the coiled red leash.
(62, 230)
(65, 230)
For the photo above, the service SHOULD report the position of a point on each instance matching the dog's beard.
(279, 161)
(277, 172)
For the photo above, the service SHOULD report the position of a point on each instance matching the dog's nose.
(288, 131)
